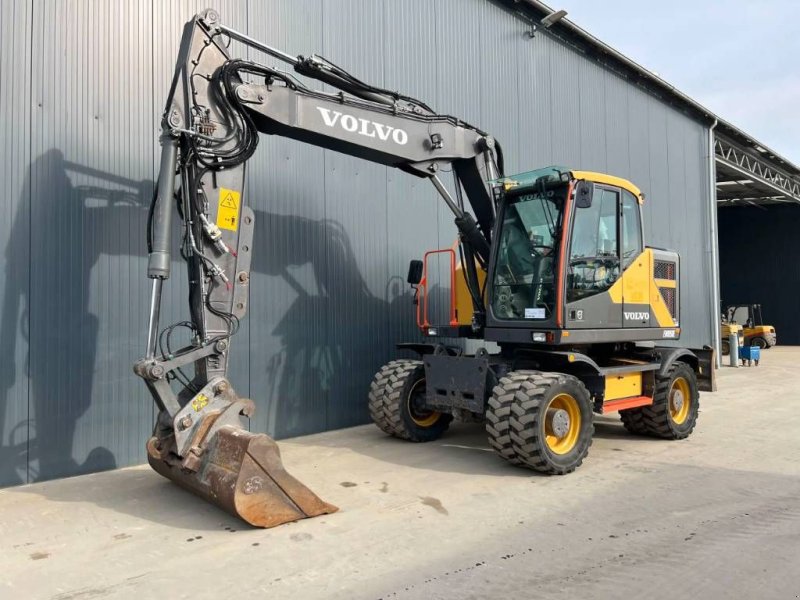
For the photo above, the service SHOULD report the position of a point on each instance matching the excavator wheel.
(396, 403)
(633, 420)
(376, 410)
(498, 414)
(759, 342)
(551, 422)
(676, 403)
(726, 348)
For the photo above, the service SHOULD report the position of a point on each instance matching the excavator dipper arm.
(216, 109)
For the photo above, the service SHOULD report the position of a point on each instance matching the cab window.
(524, 279)
(594, 255)
(631, 229)
(741, 316)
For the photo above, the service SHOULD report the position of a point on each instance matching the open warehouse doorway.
(758, 199)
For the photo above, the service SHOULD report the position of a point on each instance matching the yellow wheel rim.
(562, 424)
(421, 418)
(680, 400)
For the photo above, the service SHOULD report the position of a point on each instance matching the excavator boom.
(216, 109)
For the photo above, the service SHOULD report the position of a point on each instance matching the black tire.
(529, 439)
(759, 342)
(376, 394)
(661, 418)
(498, 414)
(392, 403)
(633, 420)
(725, 348)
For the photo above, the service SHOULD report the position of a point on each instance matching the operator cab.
(570, 265)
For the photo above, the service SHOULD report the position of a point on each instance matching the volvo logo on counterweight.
(364, 127)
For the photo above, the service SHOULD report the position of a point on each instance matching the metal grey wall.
(83, 86)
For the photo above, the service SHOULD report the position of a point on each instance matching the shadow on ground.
(143, 494)
(140, 493)
(462, 449)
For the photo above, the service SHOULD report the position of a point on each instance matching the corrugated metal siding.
(15, 114)
(412, 217)
(288, 316)
(334, 234)
(356, 208)
(90, 183)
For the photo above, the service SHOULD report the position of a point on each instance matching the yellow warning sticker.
(199, 402)
(228, 210)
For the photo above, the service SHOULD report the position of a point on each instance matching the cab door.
(594, 263)
(635, 265)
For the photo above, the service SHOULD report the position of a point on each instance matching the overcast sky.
(740, 59)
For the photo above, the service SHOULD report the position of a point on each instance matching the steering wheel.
(609, 263)
(537, 247)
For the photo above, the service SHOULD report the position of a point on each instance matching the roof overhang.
(745, 178)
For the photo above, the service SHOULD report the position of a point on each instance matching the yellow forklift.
(754, 331)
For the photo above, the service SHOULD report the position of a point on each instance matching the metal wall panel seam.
(30, 242)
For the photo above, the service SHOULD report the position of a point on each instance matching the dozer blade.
(242, 473)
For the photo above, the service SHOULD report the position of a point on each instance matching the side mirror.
(583, 194)
(414, 272)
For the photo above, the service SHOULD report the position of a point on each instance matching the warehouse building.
(334, 234)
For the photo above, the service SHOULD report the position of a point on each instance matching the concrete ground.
(714, 516)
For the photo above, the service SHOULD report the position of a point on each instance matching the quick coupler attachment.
(210, 453)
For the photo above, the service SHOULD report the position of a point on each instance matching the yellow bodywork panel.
(758, 330)
(610, 180)
(659, 307)
(637, 286)
(730, 328)
(634, 285)
(623, 386)
(464, 307)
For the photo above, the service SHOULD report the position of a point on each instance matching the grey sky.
(740, 59)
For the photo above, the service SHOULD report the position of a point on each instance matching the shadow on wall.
(330, 340)
(70, 226)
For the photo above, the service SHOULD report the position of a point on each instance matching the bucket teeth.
(242, 473)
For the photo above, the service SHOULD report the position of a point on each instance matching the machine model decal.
(669, 333)
(363, 127)
(228, 210)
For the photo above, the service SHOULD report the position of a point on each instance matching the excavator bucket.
(242, 473)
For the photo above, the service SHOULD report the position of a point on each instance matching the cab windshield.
(524, 278)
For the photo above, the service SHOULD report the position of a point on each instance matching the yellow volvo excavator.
(552, 268)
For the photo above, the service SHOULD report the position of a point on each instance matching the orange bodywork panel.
(625, 403)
